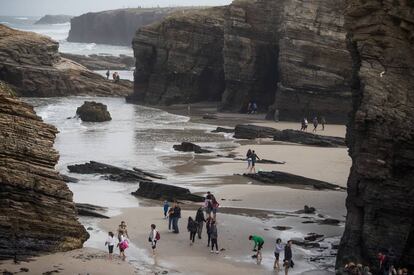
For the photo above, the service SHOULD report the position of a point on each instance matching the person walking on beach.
(192, 228)
(315, 124)
(153, 237)
(214, 207)
(258, 245)
(166, 206)
(278, 249)
(214, 236)
(249, 159)
(170, 216)
(108, 73)
(288, 262)
(208, 203)
(208, 230)
(200, 220)
(110, 242)
(122, 230)
(176, 215)
(123, 245)
(323, 122)
(304, 126)
(254, 158)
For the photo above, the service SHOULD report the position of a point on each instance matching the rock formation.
(289, 55)
(301, 137)
(190, 147)
(248, 131)
(36, 209)
(380, 135)
(54, 19)
(102, 62)
(161, 191)
(92, 111)
(115, 27)
(31, 64)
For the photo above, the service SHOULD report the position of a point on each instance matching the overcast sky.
(76, 7)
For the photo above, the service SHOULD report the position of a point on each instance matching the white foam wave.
(22, 18)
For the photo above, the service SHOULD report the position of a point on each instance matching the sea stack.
(92, 111)
(37, 213)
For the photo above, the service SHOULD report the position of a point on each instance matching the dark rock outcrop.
(90, 210)
(115, 27)
(190, 147)
(160, 191)
(37, 213)
(54, 19)
(380, 133)
(289, 55)
(276, 177)
(247, 131)
(31, 64)
(102, 62)
(223, 130)
(113, 173)
(92, 111)
(296, 136)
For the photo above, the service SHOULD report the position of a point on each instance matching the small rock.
(24, 269)
(329, 221)
(89, 228)
(308, 222)
(165, 272)
(313, 237)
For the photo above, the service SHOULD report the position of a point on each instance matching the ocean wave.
(5, 22)
(62, 24)
(22, 18)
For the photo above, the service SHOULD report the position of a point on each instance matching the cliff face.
(36, 209)
(380, 135)
(115, 27)
(32, 65)
(287, 53)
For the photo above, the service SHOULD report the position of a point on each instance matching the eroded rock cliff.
(31, 64)
(290, 54)
(36, 209)
(380, 135)
(114, 27)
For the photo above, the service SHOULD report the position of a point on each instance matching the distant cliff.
(37, 213)
(31, 64)
(114, 27)
(288, 55)
(54, 19)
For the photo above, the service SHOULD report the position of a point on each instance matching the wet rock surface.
(31, 64)
(380, 134)
(276, 177)
(223, 130)
(161, 191)
(90, 210)
(190, 147)
(247, 131)
(308, 138)
(92, 111)
(113, 173)
(37, 213)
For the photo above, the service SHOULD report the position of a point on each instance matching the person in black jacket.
(175, 216)
(192, 228)
(200, 221)
(287, 262)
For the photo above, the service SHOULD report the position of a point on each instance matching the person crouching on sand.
(123, 245)
(192, 228)
(258, 245)
(153, 237)
(110, 242)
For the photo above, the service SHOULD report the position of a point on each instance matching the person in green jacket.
(258, 245)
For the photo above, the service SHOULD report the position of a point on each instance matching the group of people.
(123, 241)
(251, 158)
(315, 122)
(252, 107)
(115, 76)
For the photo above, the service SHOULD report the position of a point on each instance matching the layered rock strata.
(381, 134)
(31, 64)
(115, 27)
(289, 55)
(37, 213)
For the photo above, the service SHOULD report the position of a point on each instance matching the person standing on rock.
(278, 249)
(166, 206)
(323, 122)
(192, 228)
(153, 237)
(176, 215)
(249, 159)
(288, 262)
(108, 73)
(214, 236)
(200, 221)
(315, 124)
(122, 230)
(110, 242)
(254, 158)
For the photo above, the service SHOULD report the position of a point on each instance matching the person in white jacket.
(278, 249)
(153, 237)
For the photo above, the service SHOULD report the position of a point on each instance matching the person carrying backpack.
(153, 237)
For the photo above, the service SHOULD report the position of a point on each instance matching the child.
(192, 228)
(123, 245)
(154, 236)
(214, 236)
(278, 249)
(110, 242)
(166, 206)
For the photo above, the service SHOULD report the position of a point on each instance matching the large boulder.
(190, 147)
(301, 137)
(92, 111)
(248, 131)
(37, 213)
(160, 191)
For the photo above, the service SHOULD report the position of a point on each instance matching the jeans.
(214, 243)
(175, 224)
(200, 229)
(208, 239)
(170, 219)
(192, 236)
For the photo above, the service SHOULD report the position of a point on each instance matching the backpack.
(157, 236)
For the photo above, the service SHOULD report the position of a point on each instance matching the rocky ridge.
(264, 51)
(37, 213)
(31, 64)
(54, 19)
